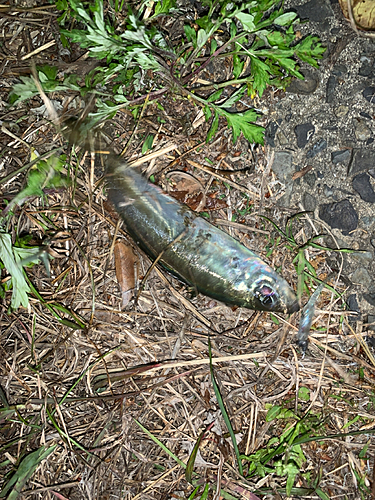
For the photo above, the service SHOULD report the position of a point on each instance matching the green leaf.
(191, 35)
(309, 50)
(24, 472)
(215, 96)
(238, 65)
(304, 394)
(321, 494)
(273, 413)
(213, 128)
(259, 70)
(242, 122)
(224, 412)
(164, 7)
(20, 288)
(285, 19)
(247, 21)
(147, 145)
(192, 458)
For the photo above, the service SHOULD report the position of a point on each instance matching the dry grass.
(84, 390)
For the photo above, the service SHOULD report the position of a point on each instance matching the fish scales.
(192, 249)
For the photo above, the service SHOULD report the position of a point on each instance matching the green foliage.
(283, 455)
(10, 257)
(43, 175)
(25, 470)
(139, 57)
(305, 271)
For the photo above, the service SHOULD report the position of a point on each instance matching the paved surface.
(325, 125)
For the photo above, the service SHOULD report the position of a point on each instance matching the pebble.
(361, 277)
(282, 138)
(340, 215)
(361, 130)
(341, 156)
(327, 191)
(304, 132)
(306, 86)
(317, 148)
(369, 298)
(352, 304)
(366, 68)
(309, 202)
(270, 133)
(363, 160)
(282, 166)
(371, 319)
(361, 184)
(341, 111)
(369, 94)
(315, 10)
(330, 89)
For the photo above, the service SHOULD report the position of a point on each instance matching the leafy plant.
(283, 455)
(257, 37)
(43, 175)
(305, 271)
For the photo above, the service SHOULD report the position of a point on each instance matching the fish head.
(272, 293)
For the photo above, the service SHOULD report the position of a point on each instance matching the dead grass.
(84, 390)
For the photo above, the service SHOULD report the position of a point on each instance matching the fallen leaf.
(126, 264)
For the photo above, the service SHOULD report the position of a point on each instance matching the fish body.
(192, 249)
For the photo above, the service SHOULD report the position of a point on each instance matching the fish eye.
(265, 295)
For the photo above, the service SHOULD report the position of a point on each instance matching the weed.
(256, 37)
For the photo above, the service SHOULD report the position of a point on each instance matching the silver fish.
(192, 249)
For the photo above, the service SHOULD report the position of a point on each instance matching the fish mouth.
(294, 307)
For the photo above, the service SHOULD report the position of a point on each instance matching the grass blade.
(224, 412)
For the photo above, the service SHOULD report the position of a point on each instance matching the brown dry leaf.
(363, 13)
(126, 264)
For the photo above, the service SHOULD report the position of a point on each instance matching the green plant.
(43, 174)
(305, 271)
(257, 37)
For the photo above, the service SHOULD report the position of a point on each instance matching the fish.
(191, 248)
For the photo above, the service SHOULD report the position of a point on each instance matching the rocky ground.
(323, 127)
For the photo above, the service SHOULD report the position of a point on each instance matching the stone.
(270, 133)
(309, 202)
(282, 138)
(361, 277)
(315, 10)
(368, 221)
(304, 132)
(317, 148)
(361, 184)
(340, 215)
(282, 166)
(361, 130)
(341, 111)
(341, 156)
(369, 298)
(306, 86)
(371, 321)
(310, 179)
(366, 68)
(330, 89)
(363, 160)
(339, 70)
(369, 94)
(327, 191)
(352, 304)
